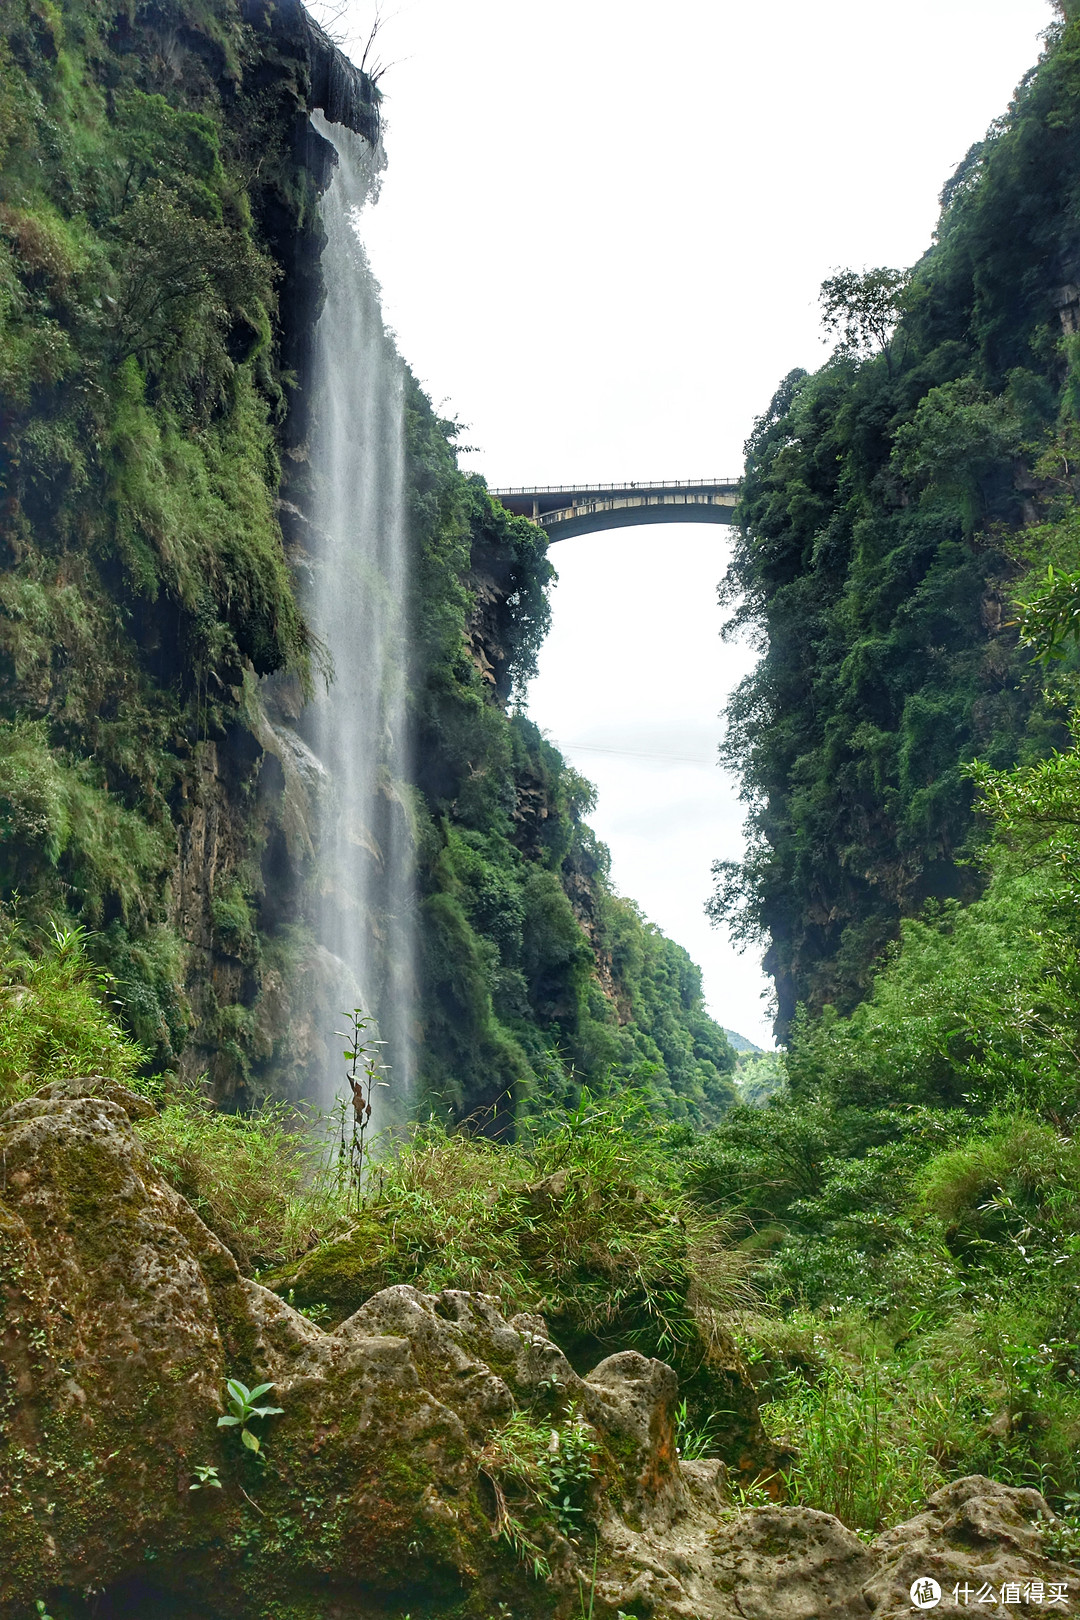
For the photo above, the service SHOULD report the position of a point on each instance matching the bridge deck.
(565, 511)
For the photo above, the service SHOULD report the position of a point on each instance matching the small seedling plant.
(319, 1313)
(241, 1402)
(205, 1476)
(364, 1076)
(570, 1469)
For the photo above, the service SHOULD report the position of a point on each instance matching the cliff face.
(159, 287)
(893, 502)
(159, 243)
(161, 251)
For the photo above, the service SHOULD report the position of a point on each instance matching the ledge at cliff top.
(338, 88)
(381, 1489)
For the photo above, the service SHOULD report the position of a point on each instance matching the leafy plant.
(363, 1076)
(695, 1439)
(1061, 1537)
(571, 1469)
(242, 1400)
(754, 1494)
(320, 1313)
(206, 1475)
(540, 1476)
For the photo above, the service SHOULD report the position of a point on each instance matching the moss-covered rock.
(608, 1262)
(430, 1457)
(122, 1318)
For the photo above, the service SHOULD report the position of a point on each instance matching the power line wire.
(629, 753)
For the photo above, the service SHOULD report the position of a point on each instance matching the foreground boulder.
(390, 1480)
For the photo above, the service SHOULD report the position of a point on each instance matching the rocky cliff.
(160, 280)
(894, 504)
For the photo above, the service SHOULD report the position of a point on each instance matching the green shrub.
(1020, 1160)
(896, 1227)
(859, 1455)
(877, 1426)
(57, 1017)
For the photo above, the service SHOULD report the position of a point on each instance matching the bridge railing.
(640, 483)
(623, 500)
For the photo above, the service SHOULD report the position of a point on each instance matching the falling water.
(358, 607)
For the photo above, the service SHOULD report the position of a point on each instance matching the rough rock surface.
(121, 1315)
(975, 1533)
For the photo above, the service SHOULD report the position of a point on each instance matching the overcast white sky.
(600, 238)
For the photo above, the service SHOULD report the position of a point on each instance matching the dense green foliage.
(535, 976)
(582, 1221)
(585, 1220)
(909, 552)
(143, 571)
(159, 244)
(55, 1017)
(914, 1194)
(891, 501)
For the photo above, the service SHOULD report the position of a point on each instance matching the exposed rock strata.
(121, 1317)
(337, 86)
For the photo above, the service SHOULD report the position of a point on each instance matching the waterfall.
(362, 910)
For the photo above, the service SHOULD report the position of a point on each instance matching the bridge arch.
(563, 511)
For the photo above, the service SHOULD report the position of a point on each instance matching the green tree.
(864, 309)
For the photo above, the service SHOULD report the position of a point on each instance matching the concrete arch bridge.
(562, 512)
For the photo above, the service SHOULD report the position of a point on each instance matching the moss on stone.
(343, 1274)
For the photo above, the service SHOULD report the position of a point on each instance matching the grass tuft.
(57, 1015)
(258, 1180)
